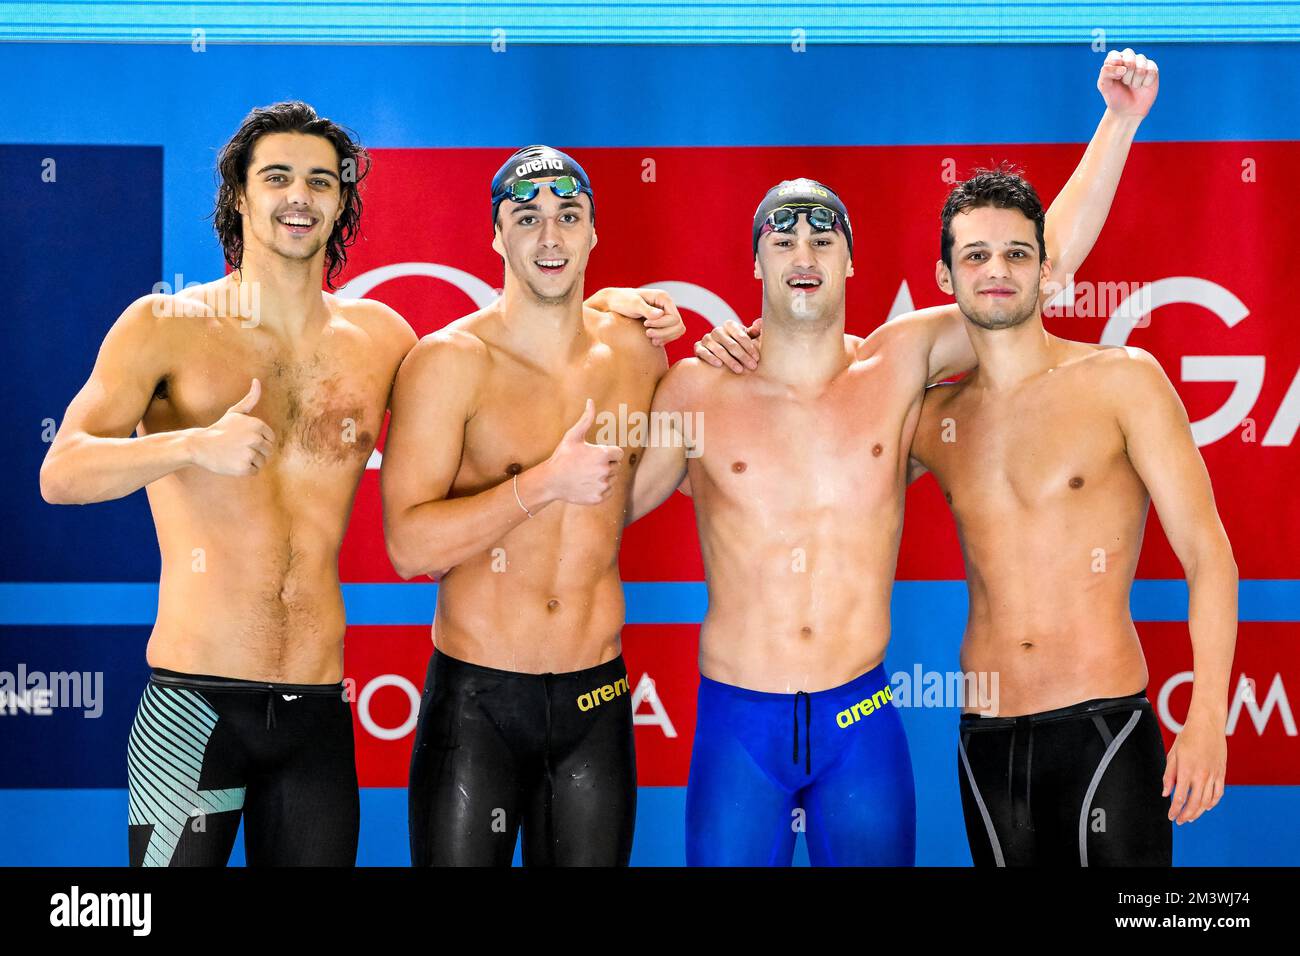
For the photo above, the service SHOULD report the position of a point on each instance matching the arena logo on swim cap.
(537, 165)
(803, 186)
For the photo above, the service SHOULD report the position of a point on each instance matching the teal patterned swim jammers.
(205, 751)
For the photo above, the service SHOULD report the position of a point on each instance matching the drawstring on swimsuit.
(807, 733)
(270, 707)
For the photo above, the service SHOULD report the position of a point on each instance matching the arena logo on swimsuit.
(864, 708)
(594, 698)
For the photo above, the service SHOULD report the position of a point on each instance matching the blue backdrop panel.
(85, 239)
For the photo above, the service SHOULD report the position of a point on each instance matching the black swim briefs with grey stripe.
(1078, 786)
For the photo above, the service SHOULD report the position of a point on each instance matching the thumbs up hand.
(237, 443)
(582, 473)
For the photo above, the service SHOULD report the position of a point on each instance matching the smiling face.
(291, 200)
(996, 267)
(546, 242)
(803, 272)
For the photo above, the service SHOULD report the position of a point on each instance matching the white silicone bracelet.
(515, 482)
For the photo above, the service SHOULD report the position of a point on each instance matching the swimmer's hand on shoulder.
(732, 345)
(237, 443)
(654, 307)
(577, 471)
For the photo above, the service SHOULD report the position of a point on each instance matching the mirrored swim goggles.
(566, 187)
(783, 218)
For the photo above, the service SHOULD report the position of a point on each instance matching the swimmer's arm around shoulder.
(663, 468)
(655, 309)
(1161, 448)
(93, 456)
(932, 341)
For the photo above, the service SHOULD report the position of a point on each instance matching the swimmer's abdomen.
(796, 596)
(1049, 603)
(547, 597)
(249, 584)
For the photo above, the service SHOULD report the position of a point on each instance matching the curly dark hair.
(291, 116)
(1002, 187)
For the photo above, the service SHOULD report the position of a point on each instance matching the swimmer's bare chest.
(523, 412)
(324, 401)
(782, 459)
(1033, 464)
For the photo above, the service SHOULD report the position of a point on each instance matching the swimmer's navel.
(553, 605)
(805, 632)
(1076, 482)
